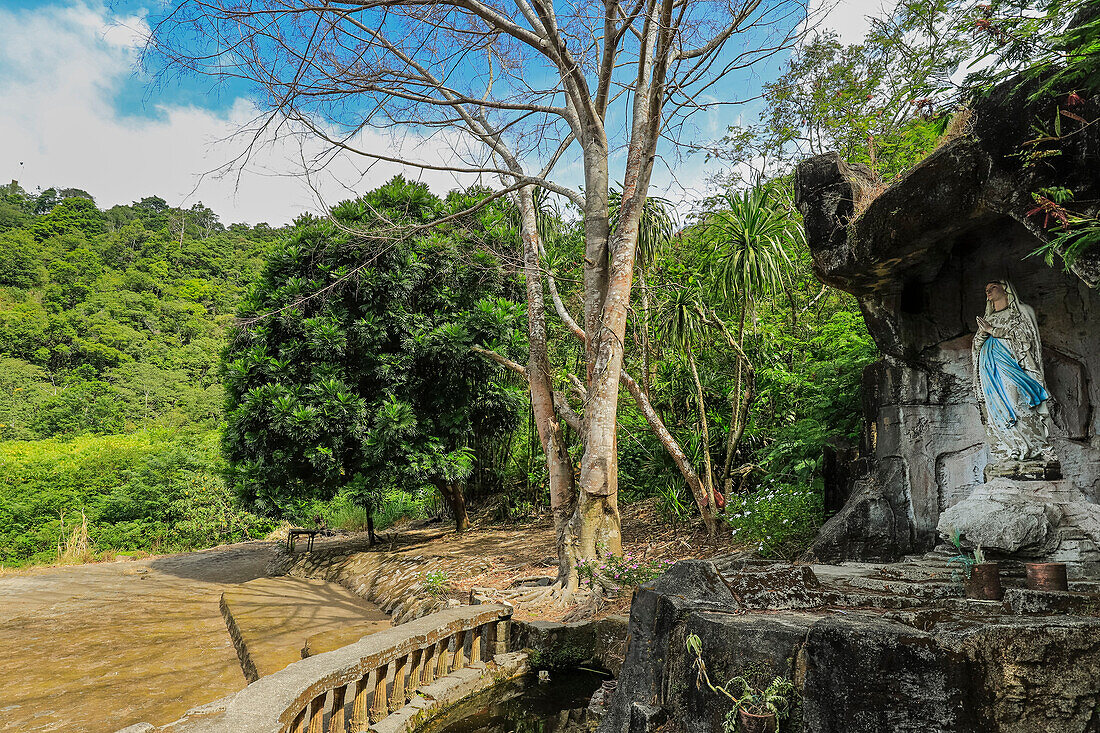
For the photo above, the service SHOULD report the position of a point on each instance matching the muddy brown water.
(95, 648)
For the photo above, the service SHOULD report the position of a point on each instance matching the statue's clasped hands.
(984, 326)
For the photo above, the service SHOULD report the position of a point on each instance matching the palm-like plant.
(772, 701)
(655, 231)
(682, 322)
(751, 237)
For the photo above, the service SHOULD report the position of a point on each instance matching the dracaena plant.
(773, 700)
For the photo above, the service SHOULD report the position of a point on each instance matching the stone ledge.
(1024, 601)
(554, 644)
(957, 667)
(1050, 521)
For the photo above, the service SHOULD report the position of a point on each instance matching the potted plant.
(981, 578)
(754, 710)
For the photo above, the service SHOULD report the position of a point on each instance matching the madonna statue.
(1008, 376)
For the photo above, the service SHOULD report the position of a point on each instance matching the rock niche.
(917, 258)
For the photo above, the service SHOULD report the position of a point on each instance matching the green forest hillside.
(111, 326)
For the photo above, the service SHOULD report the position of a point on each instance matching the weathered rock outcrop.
(935, 664)
(555, 645)
(917, 259)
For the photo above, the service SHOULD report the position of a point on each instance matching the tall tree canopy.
(517, 91)
(371, 382)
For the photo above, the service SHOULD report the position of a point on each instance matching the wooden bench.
(294, 534)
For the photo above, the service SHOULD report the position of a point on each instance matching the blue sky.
(75, 110)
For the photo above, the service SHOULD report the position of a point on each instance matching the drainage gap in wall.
(525, 704)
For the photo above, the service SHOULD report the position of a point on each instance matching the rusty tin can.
(1047, 576)
(984, 583)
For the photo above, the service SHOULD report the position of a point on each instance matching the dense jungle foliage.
(113, 323)
(111, 327)
(138, 414)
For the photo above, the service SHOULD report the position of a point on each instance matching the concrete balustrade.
(381, 673)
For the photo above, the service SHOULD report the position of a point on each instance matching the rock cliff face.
(932, 663)
(917, 259)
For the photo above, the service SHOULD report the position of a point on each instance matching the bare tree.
(511, 89)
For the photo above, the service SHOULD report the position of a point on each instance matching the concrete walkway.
(95, 648)
(278, 619)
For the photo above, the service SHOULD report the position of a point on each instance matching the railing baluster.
(360, 718)
(460, 650)
(317, 713)
(428, 665)
(431, 648)
(380, 708)
(500, 637)
(397, 697)
(415, 660)
(336, 714)
(443, 657)
(475, 645)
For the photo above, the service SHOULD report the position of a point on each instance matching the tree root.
(530, 596)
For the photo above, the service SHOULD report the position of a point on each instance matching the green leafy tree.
(373, 383)
(19, 260)
(879, 103)
(76, 214)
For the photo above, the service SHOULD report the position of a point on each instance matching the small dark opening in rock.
(912, 297)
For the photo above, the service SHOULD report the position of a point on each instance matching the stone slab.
(952, 666)
(275, 622)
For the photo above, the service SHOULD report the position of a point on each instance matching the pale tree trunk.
(597, 517)
(558, 463)
(656, 424)
(596, 520)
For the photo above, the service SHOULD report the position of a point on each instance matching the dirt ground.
(99, 647)
(94, 648)
(524, 550)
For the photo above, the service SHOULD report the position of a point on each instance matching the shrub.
(435, 583)
(779, 519)
(350, 518)
(626, 571)
(397, 505)
(149, 491)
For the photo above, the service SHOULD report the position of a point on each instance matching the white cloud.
(63, 64)
(62, 67)
(850, 19)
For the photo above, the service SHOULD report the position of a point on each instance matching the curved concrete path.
(94, 648)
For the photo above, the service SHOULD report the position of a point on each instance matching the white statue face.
(995, 292)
